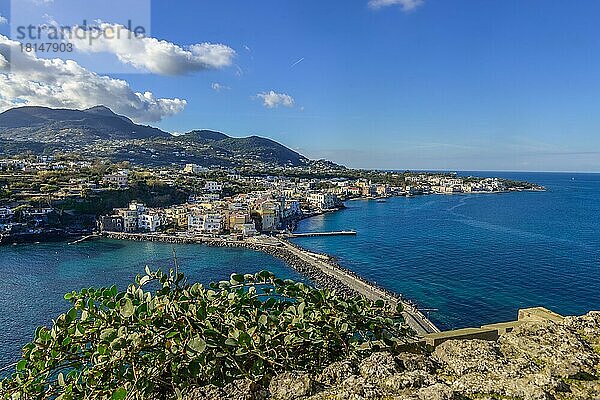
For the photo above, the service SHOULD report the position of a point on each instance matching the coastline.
(62, 234)
(315, 275)
(477, 192)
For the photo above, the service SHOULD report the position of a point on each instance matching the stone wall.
(493, 331)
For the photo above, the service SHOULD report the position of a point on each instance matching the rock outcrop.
(538, 360)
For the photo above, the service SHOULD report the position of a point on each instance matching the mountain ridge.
(33, 123)
(45, 129)
(254, 147)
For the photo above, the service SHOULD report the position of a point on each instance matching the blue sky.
(449, 84)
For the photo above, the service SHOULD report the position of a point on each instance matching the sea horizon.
(485, 171)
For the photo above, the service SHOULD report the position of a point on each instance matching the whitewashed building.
(119, 179)
(324, 201)
(212, 186)
(149, 221)
(194, 169)
(205, 223)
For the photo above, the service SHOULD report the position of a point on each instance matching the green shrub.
(142, 345)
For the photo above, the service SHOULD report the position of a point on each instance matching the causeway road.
(413, 317)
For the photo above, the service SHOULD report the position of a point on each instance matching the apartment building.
(323, 201)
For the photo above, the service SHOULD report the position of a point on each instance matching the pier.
(84, 239)
(315, 234)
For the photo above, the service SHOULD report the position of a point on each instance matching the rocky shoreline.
(539, 360)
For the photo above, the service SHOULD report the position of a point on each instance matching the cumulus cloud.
(273, 100)
(217, 87)
(150, 54)
(3, 20)
(29, 80)
(406, 5)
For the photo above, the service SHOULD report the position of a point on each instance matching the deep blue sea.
(477, 259)
(473, 259)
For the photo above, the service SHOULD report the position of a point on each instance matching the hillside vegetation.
(98, 131)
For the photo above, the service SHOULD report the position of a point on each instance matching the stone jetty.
(323, 270)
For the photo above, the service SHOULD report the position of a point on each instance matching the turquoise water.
(478, 258)
(34, 278)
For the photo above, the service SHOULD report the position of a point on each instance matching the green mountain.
(253, 148)
(98, 131)
(47, 125)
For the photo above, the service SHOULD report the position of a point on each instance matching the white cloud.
(406, 5)
(3, 20)
(274, 100)
(153, 55)
(41, 2)
(217, 87)
(29, 80)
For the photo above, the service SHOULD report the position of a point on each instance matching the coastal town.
(42, 197)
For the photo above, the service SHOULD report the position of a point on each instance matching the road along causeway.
(413, 317)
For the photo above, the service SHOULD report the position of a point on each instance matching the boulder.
(291, 386)
(588, 327)
(407, 380)
(239, 390)
(358, 388)
(378, 366)
(560, 351)
(336, 373)
(501, 386)
(245, 389)
(439, 391)
(416, 362)
(460, 357)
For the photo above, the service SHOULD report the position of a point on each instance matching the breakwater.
(273, 248)
(323, 270)
(329, 266)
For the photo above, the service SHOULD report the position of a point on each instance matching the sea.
(465, 260)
